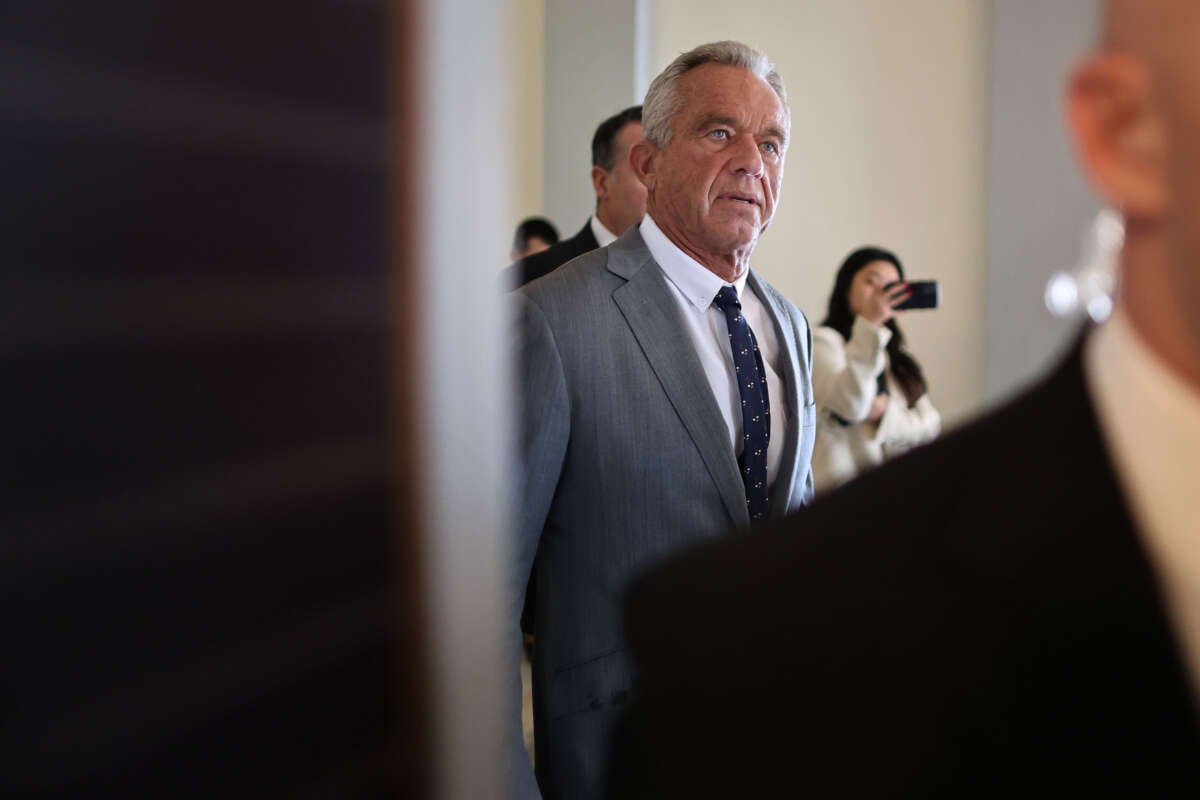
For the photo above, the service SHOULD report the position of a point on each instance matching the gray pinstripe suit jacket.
(625, 461)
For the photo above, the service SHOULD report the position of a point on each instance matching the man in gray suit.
(666, 398)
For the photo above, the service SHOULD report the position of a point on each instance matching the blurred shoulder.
(580, 279)
(901, 506)
(987, 488)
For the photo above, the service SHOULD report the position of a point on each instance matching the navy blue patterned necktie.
(756, 407)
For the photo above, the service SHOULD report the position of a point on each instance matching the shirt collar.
(694, 281)
(604, 237)
(1150, 419)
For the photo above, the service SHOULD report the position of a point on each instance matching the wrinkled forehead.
(719, 91)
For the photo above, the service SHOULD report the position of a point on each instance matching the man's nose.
(747, 157)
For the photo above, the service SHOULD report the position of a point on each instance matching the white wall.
(466, 136)
(1038, 205)
(592, 65)
(888, 121)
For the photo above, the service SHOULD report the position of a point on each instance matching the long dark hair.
(905, 368)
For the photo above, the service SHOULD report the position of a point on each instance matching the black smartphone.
(925, 294)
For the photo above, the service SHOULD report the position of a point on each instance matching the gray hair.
(663, 101)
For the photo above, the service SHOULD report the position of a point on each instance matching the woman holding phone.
(872, 400)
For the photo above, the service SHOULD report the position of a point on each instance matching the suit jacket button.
(596, 704)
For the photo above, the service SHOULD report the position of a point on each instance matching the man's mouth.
(740, 197)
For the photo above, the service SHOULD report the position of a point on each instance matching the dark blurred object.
(964, 636)
(533, 235)
(550, 259)
(199, 507)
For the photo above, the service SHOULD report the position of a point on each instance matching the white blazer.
(845, 376)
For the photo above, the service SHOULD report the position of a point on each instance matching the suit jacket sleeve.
(544, 414)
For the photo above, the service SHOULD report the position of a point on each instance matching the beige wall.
(593, 52)
(527, 25)
(1039, 205)
(888, 117)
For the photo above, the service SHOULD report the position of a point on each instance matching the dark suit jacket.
(535, 266)
(976, 618)
(626, 460)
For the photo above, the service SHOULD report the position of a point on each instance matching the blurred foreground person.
(871, 392)
(533, 235)
(1014, 608)
(209, 554)
(666, 398)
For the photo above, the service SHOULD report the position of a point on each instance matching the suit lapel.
(651, 312)
(789, 364)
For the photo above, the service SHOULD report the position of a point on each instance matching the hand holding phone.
(922, 294)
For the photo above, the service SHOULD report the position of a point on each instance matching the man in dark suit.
(620, 200)
(1014, 608)
(666, 398)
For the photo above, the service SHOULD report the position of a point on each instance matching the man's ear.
(599, 183)
(643, 158)
(1118, 133)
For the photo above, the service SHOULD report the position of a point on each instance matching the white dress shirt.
(1150, 421)
(695, 287)
(604, 237)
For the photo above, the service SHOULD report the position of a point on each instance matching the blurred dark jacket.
(976, 618)
(535, 266)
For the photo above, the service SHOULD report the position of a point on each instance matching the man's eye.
(720, 134)
(771, 148)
